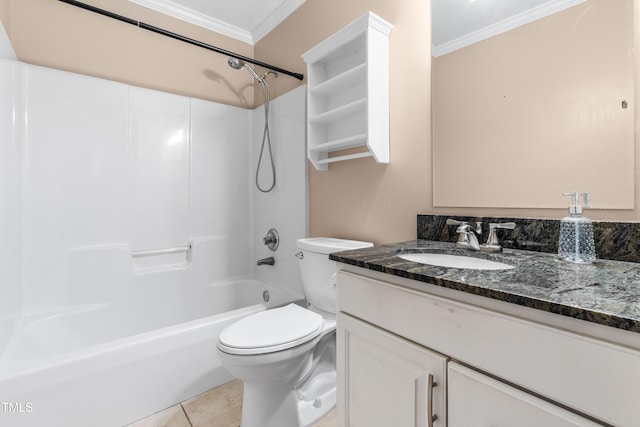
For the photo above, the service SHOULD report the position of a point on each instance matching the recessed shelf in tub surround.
(161, 259)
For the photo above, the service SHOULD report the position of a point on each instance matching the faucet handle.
(506, 225)
(493, 244)
(272, 239)
(451, 221)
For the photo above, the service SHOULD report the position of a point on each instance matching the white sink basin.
(455, 261)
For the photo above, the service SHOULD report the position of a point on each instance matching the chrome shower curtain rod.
(180, 37)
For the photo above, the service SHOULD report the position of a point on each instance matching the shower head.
(235, 63)
(238, 64)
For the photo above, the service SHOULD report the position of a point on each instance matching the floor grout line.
(186, 415)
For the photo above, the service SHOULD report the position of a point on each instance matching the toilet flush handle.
(300, 255)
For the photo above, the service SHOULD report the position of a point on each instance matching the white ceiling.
(459, 23)
(244, 20)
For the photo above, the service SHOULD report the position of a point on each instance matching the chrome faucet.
(468, 238)
(468, 235)
(266, 261)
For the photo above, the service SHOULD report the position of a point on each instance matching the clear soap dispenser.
(576, 233)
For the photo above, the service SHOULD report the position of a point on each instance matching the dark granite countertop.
(605, 292)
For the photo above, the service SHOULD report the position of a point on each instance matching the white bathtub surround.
(6, 49)
(128, 217)
(10, 221)
(284, 208)
(9, 192)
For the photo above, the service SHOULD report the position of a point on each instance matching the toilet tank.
(319, 272)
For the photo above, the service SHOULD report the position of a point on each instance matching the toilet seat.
(271, 330)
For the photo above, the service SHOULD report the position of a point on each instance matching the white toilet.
(286, 356)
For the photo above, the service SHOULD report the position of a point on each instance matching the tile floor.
(220, 407)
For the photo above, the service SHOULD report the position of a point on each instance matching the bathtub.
(107, 365)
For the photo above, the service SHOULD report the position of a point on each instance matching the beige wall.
(356, 199)
(363, 200)
(360, 199)
(57, 35)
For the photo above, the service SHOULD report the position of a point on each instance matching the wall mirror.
(532, 99)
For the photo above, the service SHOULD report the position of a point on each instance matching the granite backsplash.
(619, 241)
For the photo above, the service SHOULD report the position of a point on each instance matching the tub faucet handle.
(272, 240)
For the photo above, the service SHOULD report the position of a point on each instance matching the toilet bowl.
(285, 356)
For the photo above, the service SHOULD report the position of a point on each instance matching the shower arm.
(180, 37)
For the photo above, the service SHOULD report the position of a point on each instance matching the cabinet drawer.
(475, 399)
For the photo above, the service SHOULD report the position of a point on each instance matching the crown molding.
(167, 7)
(347, 33)
(170, 8)
(505, 25)
(275, 18)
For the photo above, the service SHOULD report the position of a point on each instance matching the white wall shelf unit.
(348, 93)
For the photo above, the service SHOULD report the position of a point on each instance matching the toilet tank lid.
(326, 245)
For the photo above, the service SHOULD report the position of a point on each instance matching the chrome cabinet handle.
(424, 397)
(431, 417)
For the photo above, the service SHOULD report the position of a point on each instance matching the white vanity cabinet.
(506, 365)
(476, 399)
(389, 381)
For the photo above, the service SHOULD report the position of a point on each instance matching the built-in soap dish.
(152, 260)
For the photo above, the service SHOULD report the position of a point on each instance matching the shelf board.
(340, 112)
(341, 144)
(345, 157)
(341, 81)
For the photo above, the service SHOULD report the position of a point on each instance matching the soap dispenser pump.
(576, 233)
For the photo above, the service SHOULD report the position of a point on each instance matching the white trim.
(188, 15)
(505, 25)
(275, 18)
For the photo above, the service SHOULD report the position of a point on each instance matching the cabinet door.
(384, 380)
(477, 400)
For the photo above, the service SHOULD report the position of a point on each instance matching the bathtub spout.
(267, 261)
